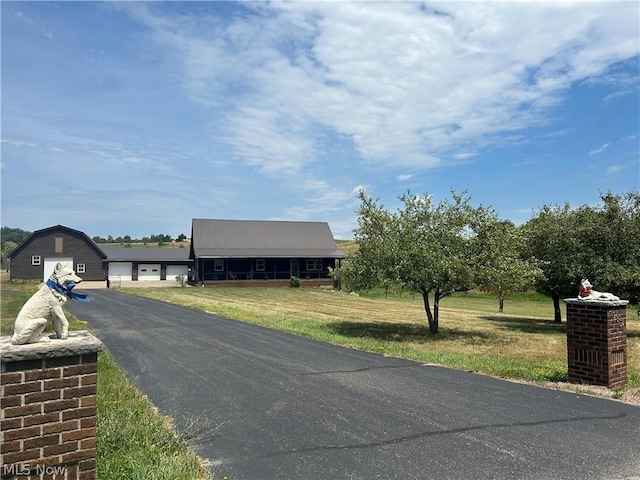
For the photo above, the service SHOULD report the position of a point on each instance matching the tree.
(425, 248)
(7, 247)
(367, 267)
(601, 243)
(609, 235)
(551, 239)
(15, 235)
(159, 238)
(11, 238)
(503, 266)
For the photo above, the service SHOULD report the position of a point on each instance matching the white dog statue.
(588, 293)
(46, 304)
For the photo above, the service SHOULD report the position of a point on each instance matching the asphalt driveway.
(263, 404)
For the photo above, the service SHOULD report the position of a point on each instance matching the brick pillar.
(597, 342)
(48, 417)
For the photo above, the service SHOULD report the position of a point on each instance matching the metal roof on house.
(147, 254)
(215, 238)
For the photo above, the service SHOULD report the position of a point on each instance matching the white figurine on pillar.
(588, 293)
(46, 304)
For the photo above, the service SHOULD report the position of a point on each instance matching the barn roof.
(148, 254)
(214, 238)
(58, 229)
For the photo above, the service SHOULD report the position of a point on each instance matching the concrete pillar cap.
(81, 342)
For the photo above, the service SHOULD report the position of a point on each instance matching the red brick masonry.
(597, 342)
(48, 397)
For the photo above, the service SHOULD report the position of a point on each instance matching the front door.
(294, 267)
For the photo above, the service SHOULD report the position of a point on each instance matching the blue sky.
(132, 118)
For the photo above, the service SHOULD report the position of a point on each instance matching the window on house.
(260, 265)
(81, 268)
(35, 259)
(218, 265)
(59, 244)
(314, 264)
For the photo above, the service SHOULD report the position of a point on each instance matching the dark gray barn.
(38, 254)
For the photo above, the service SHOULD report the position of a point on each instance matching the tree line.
(438, 249)
(10, 238)
(154, 238)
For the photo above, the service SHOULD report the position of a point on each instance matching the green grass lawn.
(524, 343)
(134, 441)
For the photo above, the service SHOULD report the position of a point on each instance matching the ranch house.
(259, 250)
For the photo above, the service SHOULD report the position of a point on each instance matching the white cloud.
(19, 143)
(614, 169)
(597, 151)
(464, 155)
(404, 178)
(408, 86)
(558, 133)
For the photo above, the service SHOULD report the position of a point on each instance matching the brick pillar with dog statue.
(48, 393)
(597, 338)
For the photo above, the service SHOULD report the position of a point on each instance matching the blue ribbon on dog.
(67, 291)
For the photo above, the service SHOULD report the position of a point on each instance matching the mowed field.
(523, 343)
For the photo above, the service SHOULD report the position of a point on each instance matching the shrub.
(294, 282)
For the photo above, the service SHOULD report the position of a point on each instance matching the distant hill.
(347, 246)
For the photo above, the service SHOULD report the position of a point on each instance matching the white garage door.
(50, 265)
(147, 272)
(174, 270)
(120, 271)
